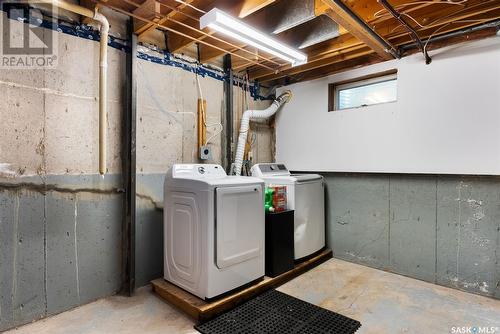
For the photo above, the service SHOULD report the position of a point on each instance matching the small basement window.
(362, 92)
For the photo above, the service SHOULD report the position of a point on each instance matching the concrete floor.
(383, 302)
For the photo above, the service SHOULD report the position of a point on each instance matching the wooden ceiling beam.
(120, 10)
(399, 39)
(370, 11)
(347, 55)
(333, 68)
(346, 42)
(344, 16)
(251, 6)
(149, 9)
(148, 27)
(365, 10)
(372, 59)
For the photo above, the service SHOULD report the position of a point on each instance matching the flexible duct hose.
(245, 124)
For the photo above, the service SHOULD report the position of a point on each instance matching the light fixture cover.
(226, 24)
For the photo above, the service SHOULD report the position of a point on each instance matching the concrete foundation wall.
(60, 222)
(440, 229)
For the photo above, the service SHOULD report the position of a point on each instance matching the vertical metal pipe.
(129, 164)
(228, 126)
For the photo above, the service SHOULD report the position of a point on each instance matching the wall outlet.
(205, 153)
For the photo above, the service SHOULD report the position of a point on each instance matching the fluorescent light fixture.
(232, 27)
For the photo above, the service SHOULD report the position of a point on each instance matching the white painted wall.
(446, 119)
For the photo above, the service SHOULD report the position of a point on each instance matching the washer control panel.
(269, 169)
(198, 171)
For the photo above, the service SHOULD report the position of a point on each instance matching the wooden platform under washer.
(202, 310)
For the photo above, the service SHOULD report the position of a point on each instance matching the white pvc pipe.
(245, 125)
(103, 68)
(103, 92)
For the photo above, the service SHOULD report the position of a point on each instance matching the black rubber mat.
(274, 312)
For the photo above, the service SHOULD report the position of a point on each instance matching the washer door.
(239, 224)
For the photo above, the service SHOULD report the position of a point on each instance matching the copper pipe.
(202, 129)
(204, 132)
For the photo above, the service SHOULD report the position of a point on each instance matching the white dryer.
(213, 229)
(305, 195)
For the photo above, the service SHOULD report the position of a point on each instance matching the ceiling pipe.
(103, 69)
(409, 28)
(457, 33)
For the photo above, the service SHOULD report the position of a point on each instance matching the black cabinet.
(279, 243)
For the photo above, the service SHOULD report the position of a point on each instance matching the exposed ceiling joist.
(251, 6)
(401, 19)
(149, 27)
(434, 19)
(344, 16)
(160, 26)
(368, 11)
(372, 58)
(371, 29)
(397, 39)
(351, 54)
(149, 9)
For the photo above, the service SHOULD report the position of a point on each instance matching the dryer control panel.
(201, 171)
(269, 169)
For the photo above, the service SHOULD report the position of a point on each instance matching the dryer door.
(239, 224)
(182, 239)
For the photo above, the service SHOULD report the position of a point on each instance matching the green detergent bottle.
(268, 200)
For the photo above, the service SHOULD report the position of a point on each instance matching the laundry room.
(250, 166)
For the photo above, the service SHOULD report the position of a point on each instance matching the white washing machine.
(305, 195)
(213, 229)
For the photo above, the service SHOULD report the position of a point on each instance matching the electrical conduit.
(103, 69)
(245, 124)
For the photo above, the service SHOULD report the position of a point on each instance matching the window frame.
(335, 88)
